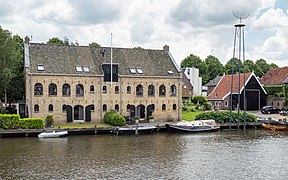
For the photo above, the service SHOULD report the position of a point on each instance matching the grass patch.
(189, 115)
(81, 125)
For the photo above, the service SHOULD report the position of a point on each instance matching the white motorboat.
(52, 134)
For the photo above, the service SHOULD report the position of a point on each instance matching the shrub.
(9, 121)
(224, 116)
(199, 100)
(31, 123)
(150, 117)
(114, 119)
(49, 120)
(207, 106)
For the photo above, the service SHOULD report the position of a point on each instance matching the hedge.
(224, 116)
(114, 119)
(13, 121)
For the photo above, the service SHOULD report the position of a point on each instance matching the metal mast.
(239, 35)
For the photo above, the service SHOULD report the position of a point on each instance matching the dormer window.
(139, 70)
(132, 70)
(86, 69)
(40, 67)
(79, 68)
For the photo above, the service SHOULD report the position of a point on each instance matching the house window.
(128, 108)
(50, 108)
(91, 89)
(128, 89)
(174, 107)
(64, 107)
(104, 107)
(52, 89)
(170, 72)
(151, 90)
(132, 70)
(226, 103)
(117, 107)
(116, 89)
(162, 90)
(139, 90)
(78, 113)
(36, 108)
(173, 90)
(86, 69)
(104, 89)
(66, 90)
(272, 103)
(163, 107)
(79, 90)
(38, 89)
(188, 71)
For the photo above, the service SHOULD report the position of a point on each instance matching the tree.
(273, 65)
(55, 40)
(94, 44)
(66, 41)
(214, 67)
(196, 61)
(11, 66)
(250, 66)
(228, 66)
(263, 65)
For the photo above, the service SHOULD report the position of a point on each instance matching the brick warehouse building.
(73, 83)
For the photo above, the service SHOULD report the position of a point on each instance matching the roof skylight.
(86, 69)
(40, 67)
(132, 70)
(170, 71)
(79, 68)
(139, 70)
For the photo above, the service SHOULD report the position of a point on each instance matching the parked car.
(270, 109)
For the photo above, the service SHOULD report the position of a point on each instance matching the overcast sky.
(200, 27)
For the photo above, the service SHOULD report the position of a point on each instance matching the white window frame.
(86, 69)
(40, 67)
(79, 69)
(139, 70)
(132, 70)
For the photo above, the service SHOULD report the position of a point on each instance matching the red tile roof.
(275, 76)
(223, 88)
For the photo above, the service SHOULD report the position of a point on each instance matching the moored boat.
(132, 129)
(275, 125)
(194, 126)
(52, 134)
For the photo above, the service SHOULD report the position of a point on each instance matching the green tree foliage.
(94, 44)
(55, 40)
(264, 66)
(114, 119)
(11, 67)
(214, 67)
(228, 66)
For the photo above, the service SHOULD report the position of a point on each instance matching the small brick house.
(255, 93)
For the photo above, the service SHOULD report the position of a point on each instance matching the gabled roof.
(223, 88)
(276, 76)
(63, 59)
(187, 88)
(214, 81)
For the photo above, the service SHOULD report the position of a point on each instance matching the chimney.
(27, 39)
(166, 48)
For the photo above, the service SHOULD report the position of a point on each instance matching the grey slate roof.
(214, 81)
(63, 59)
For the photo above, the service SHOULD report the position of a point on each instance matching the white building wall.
(196, 81)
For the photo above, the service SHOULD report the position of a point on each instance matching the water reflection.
(251, 154)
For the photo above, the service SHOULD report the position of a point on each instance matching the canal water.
(251, 154)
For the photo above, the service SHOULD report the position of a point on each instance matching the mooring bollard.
(136, 129)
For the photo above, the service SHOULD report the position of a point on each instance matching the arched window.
(78, 112)
(162, 90)
(91, 89)
(38, 89)
(128, 89)
(52, 89)
(36, 108)
(104, 89)
(128, 107)
(173, 90)
(117, 107)
(50, 108)
(79, 90)
(66, 90)
(64, 107)
(174, 107)
(163, 107)
(116, 89)
(139, 90)
(104, 107)
(151, 90)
